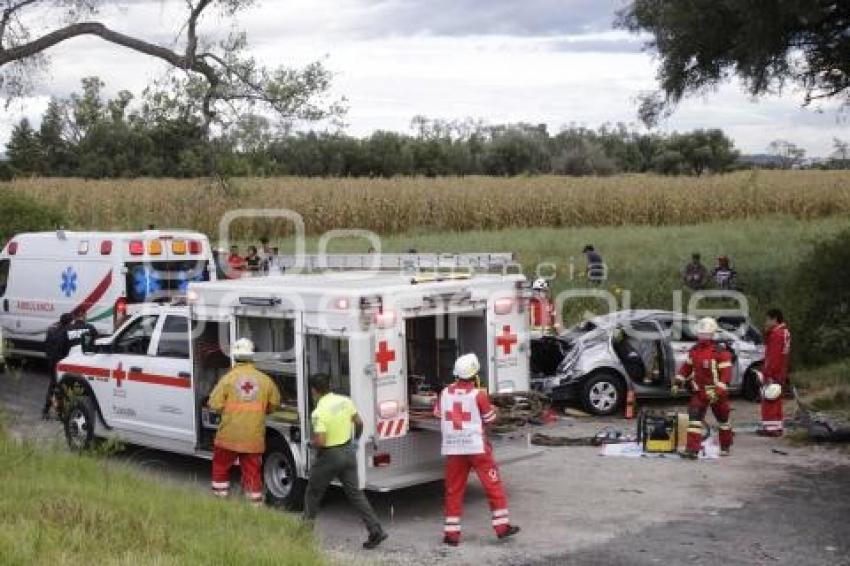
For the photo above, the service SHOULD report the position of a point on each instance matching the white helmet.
(467, 366)
(707, 327)
(771, 392)
(242, 349)
(540, 284)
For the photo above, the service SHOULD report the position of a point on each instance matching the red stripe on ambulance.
(139, 377)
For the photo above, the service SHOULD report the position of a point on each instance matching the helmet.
(467, 366)
(706, 326)
(540, 284)
(771, 392)
(242, 349)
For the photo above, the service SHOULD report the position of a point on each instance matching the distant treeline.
(87, 136)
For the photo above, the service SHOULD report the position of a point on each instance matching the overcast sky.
(552, 61)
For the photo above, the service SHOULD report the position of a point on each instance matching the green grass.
(58, 508)
(826, 388)
(643, 260)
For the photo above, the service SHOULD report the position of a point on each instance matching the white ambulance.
(101, 274)
(388, 341)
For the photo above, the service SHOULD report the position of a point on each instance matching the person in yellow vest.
(243, 397)
(335, 423)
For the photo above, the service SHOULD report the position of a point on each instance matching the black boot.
(375, 539)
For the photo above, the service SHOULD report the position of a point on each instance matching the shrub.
(821, 298)
(21, 213)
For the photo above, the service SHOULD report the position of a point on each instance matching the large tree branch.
(7, 17)
(192, 28)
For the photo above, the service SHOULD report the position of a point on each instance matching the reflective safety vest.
(461, 422)
(244, 396)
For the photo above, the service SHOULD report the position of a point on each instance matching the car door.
(127, 360)
(167, 378)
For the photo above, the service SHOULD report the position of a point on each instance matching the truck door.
(508, 344)
(387, 363)
(129, 356)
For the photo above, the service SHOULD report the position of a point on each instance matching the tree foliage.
(701, 43)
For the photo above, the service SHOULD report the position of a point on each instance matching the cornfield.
(446, 204)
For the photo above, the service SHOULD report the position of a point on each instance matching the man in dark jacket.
(77, 328)
(56, 347)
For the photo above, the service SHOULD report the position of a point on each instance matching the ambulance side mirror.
(87, 343)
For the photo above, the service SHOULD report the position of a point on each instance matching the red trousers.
(457, 473)
(252, 481)
(697, 409)
(771, 415)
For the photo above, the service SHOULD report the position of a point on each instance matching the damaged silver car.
(600, 359)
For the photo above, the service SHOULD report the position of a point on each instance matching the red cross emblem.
(506, 340)
(457, 416)
(246, 387)
(384, 356)
(119, 374)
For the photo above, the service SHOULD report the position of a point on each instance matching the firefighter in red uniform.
(707, 374)
(464, 410)
(541, 308)
(774, 375)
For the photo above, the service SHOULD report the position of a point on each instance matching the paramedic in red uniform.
(541, 308)
(777, 351)
(243, 396)
(463, 410)
(707, 374)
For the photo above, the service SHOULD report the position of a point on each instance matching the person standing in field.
(56, 347)
(252, 260)
(235, 263)
(696, 274)
(336, 424)
(243, 397)
(596, 270)
(725, 277)
(774, 375)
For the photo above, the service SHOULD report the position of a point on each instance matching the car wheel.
(751, 388)
(603, 394)
(280, 477)
(79, 424)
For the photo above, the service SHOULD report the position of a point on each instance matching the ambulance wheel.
(79, 424)
(280, 477)
(603, 394)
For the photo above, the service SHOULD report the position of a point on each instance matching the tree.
(789, 154)
(59, 160)
(701, 43)
(842, 151)
(23, 148)
(224, 78)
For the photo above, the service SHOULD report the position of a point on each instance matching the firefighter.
(707, 374)
(56, 347)
(243, 397)
(464, 410)
(336, 428)
(540, 306)
(774, 375)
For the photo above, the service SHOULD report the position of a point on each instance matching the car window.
(136, 338)
(4, 275)
(174, 338)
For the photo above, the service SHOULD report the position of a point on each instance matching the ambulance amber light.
(194, 247)
(381, 460)
(13, 248)
(155, 247)
(178, 247)
(504, 305)
(137, 247)
(105, 247)
(385, 319)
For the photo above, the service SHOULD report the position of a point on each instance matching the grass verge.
(58, 508)
(826, 388)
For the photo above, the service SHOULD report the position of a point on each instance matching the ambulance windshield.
(157, 281)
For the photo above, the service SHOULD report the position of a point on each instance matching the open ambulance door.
(387, 374)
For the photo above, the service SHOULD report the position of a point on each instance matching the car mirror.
(87, 343)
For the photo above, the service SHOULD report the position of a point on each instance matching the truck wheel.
(283, 486)
(751, 388)
(603, 394)
(79, 424)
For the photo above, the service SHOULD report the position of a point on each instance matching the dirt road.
(576, 507)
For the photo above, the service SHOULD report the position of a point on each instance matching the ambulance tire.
(280, 477)
(603, 393)
(79, 424)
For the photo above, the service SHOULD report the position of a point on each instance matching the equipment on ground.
(659, 431)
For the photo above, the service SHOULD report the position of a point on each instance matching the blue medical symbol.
(146, 282)
(69, 282)
(186, 277)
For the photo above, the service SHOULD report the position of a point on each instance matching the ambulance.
(103, 275)
(389, 341)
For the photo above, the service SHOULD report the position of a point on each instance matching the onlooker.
(724, 275)
(78, 327)
(56, 347)
(275, 263)
(596, 271)
(696, 274)
(235, 263)
(252, 260)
